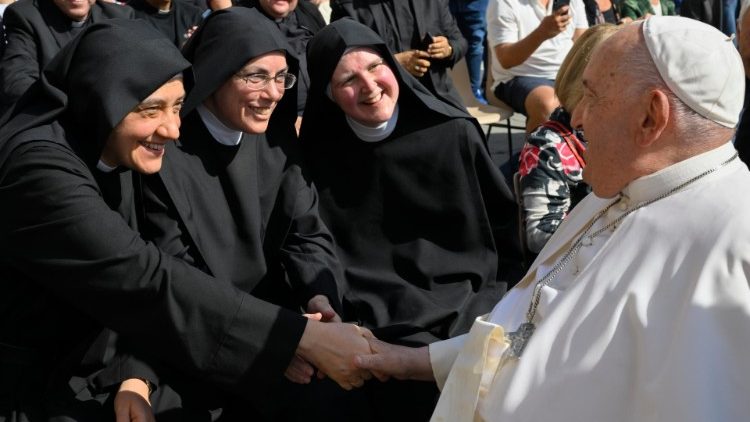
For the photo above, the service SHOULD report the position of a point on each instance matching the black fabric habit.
(175, 24)
(403, 25)
(243, 213)
(70, 263)
(422, 220)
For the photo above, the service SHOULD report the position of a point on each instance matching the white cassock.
(650, 322)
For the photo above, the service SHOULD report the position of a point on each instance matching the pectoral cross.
(518, 339)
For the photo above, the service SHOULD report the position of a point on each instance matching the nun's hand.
(132, 403)
(416, 62)
(299, 371)
(440, 48)
(331, 347)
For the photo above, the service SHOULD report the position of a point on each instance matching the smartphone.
(427, 40)
(557, 4)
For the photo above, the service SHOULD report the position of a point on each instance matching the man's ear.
(654, 121)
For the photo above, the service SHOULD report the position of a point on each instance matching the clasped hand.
(330, 346)
(349, 354)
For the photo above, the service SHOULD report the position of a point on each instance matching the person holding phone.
(529, 41)
(422, 33)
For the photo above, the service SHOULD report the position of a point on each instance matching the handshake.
(349, 354)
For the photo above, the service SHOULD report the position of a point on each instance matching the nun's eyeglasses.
(258, 81)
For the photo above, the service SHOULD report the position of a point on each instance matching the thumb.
(327, 312)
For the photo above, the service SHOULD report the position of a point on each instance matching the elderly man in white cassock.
(638, 308)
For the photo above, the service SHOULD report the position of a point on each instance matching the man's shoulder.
(24, 9)
(114, 10)
(186, 7)
(310, 15)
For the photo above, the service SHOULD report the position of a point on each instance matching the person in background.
(631, 10)
(601, 11)
(176, 19)
(422, 33)
(35, 32)
(471, 18)
(552, 159)
(529, 41)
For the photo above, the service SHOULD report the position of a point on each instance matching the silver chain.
(573, 251)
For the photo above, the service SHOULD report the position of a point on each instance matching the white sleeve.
(579, 14)
(442, 355)
(502, 23)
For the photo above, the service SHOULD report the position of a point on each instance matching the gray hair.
(643, 76)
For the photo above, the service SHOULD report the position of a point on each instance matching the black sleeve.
(59, 233)
(19, 67)
(308, 252)
(162, 225)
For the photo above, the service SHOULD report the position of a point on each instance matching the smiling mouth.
(374, 99)
(153, 146)
(261, 111)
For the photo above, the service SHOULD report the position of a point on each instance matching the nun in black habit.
(231, 197)
(424, 223)
(71, 262)
(298, 26)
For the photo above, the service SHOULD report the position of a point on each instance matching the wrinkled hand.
(555, 23)
(331, 347)
(389, 360)
(132, 403)
(440, 48)
(415, 62)
(320, 304)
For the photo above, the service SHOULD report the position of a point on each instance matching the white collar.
(221, 133)
(377, 133)
(104, 168)
(655, 184)
(78, 24)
